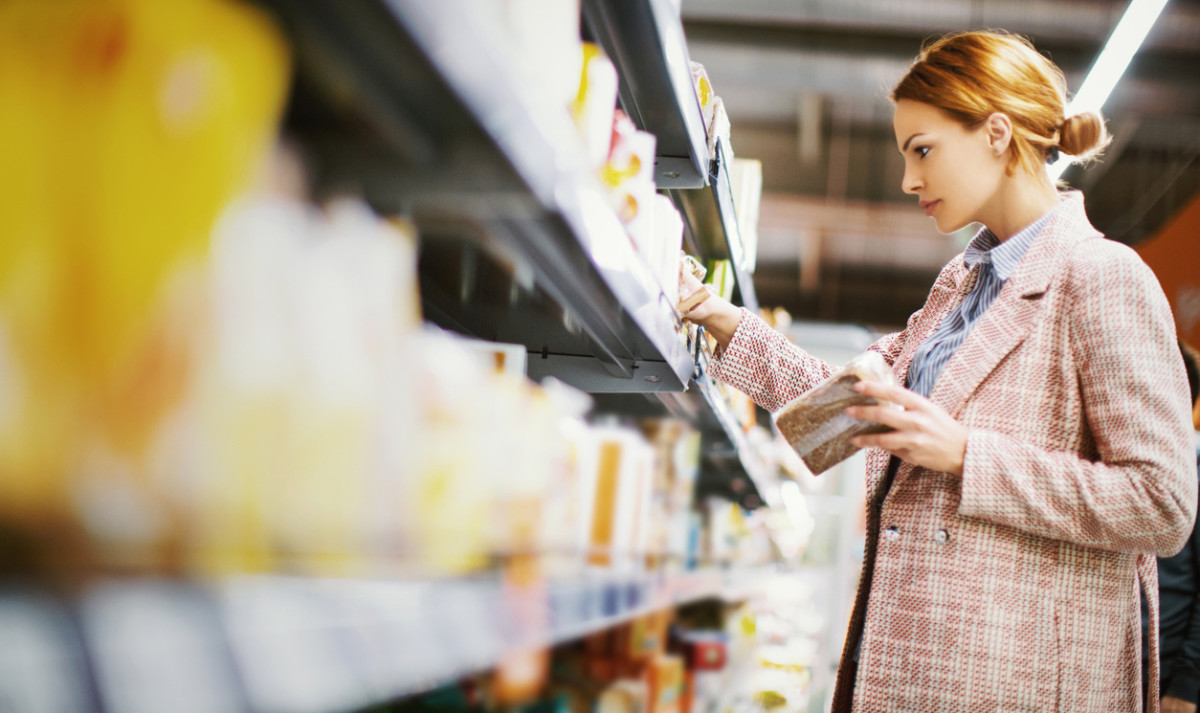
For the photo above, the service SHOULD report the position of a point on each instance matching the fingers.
(890, 392)
(896, 442)
(883, 414)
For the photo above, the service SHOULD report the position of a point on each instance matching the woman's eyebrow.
(909, 141)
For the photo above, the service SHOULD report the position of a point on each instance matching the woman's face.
(953, 170)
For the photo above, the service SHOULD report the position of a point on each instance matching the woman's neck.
(1020, 200)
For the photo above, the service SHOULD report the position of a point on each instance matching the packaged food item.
(629, 172)
(595, 104)
(712, 111)
(619, 521)
(720, 276)
(745, 178)
(125, 128)
(816, 424)
(544, 47)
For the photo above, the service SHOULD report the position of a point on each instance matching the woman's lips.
(929, 207)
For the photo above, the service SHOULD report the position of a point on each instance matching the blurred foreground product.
(620, 516)
(125, 126)
(595, 104)
(303, 409)
(629, 172)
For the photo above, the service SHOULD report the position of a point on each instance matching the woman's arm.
(761, 362)
(751, 356)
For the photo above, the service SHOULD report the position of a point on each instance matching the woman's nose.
(910, 183)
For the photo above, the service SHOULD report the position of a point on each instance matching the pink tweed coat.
(1015, 587)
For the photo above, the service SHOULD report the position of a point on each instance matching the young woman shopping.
(1043, 455)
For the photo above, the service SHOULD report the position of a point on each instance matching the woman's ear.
(998, 130)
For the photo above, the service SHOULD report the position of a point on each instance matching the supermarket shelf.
(711, 225)
(300, 645)
(726, 450)
(413, 103)
(645, 40)
(765, 481)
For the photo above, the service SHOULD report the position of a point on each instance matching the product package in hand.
(816, 424)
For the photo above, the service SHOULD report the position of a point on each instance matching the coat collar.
(1010, 318)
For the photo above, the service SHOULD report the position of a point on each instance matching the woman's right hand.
(717, 315)
(689, 285)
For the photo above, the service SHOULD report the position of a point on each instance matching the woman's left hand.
(924, 434)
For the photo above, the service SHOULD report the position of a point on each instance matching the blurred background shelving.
(341, 370)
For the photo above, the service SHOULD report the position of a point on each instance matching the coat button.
(941, 537)
(892, 533)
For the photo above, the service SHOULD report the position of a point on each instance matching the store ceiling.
(805, 86)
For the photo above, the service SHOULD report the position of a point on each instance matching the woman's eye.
(922, 151)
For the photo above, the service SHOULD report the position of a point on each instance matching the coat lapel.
(946, 297)
(1011, 317)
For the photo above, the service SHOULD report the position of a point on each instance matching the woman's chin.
(948, 227)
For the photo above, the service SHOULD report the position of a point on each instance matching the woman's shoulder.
(1096, 256)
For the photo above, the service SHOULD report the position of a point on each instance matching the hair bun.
(1084, 135)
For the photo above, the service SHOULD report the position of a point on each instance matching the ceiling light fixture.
(1139, 17)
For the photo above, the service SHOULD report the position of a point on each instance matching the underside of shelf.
(409, 104)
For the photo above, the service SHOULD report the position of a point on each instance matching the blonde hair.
(971, 75)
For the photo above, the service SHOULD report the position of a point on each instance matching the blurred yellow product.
(595, 104)
(125, 126)
(450, 492)
(525, 432)
(250, 371)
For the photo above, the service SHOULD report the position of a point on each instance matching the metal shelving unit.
(710, 220)
(303, 645)
(414, 105)
(644, 39)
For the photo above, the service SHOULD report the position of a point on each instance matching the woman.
(1043, 454)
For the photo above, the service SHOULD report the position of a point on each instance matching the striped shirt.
(995, 261)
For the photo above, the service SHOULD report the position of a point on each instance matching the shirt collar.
(1004, 256)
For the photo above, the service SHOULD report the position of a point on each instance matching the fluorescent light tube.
(1139, 17)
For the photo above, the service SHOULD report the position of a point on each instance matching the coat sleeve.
(1139, 493)
(763, 364)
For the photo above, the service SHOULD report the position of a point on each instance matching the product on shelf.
(629, 172)
(305, 376)
(595, 104)
(712, 111)
(657, 232)
(745, 179)
(816, 424)
(720, 276)
(125, 127)
(665, 676)
(623, 696)
(676, 466)
(544, 47)
(620, 517)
